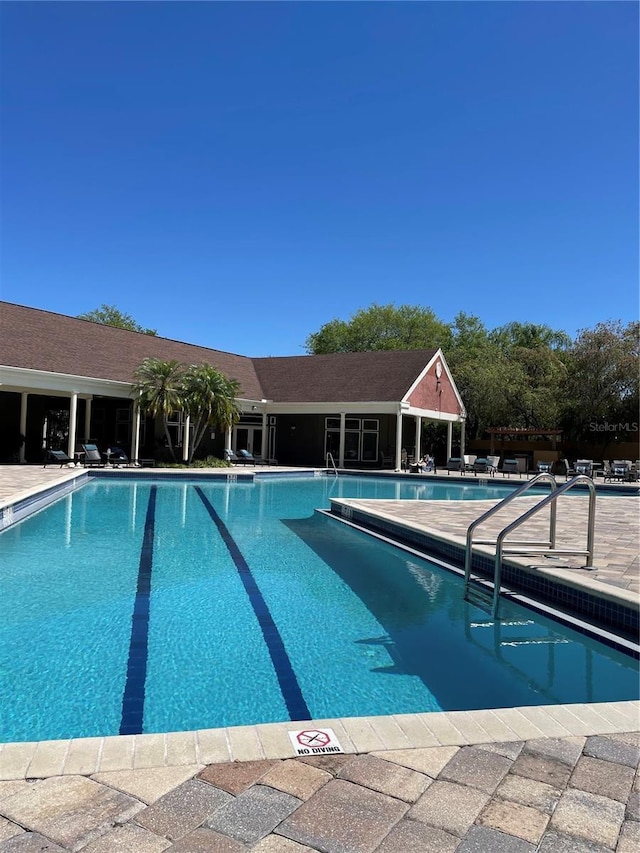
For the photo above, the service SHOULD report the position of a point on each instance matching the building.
(64, 381)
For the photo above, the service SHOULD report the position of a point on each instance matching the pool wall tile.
(117, 753)
(444, 730)
(389, 732)
(12, 513)
(524, 728)
(181, 748)
(592, 606)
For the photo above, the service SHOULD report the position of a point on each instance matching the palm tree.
(209, 398)
(159, 387)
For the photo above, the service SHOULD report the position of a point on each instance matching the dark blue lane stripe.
(291, 692)
(133, 698)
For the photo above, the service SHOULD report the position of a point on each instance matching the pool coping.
(87, 756)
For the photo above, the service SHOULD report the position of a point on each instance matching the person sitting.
(427, 463)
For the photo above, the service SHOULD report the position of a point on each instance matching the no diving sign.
(315, 742)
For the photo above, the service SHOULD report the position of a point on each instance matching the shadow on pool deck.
(558, 779)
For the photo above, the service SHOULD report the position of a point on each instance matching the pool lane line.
(133, 697)
(291, 692)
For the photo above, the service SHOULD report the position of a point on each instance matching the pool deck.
(555, 779)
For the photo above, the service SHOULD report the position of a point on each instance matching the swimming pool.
(163, 606)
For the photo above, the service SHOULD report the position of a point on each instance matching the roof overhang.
(21, 379)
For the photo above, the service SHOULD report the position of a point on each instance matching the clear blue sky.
(238, 174)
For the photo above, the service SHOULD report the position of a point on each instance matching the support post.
(418, 454)
(23, 428)
(185, 439)
(343, 425)
(449, 439)
(135, 438)
(87, 418)
(73, 417)
(398, 464)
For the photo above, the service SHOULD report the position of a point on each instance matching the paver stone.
(603, 777)
(31, 842)
(205, 840)
(588, 816)
(127, 838)
(514, 819)
(253, 814)
(343, 818)
(409, 836)
(449, 806)
(481, 839)
(70, 810)
(183, 809)
(386, 777)
(476, 767)
(236, 776)
(610, 749)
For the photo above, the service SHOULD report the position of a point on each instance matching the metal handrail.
(333, 464)
(544, 477)
(542, 547)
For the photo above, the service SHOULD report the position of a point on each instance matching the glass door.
(248, 438)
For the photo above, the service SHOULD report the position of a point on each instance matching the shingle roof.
(342, 376)
(42, 340)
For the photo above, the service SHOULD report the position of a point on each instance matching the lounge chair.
(116, 456)
(55, 457)
(481, 465)
(509, 467)
(246, 458)
(92, 457)
(568, 469)
(230, 456)
(454, 463)
(260, 460)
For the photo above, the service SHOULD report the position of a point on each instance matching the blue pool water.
(172, 606)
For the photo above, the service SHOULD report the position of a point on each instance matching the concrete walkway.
(555, 779)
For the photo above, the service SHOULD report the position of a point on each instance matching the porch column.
(417, 454)
(135, 438)
(227, 439)
(23, 427)
(185, 439)
(462, 438)
(343, 424)
(398, 464)
(449, 439)
(87, 418)
(73, 417)
(264, 452)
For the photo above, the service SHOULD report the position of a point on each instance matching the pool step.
(479, 593)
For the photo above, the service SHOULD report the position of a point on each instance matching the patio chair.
(92, 457)
(246, 457)
(230, 456)
(621, 469)
(544, 467)
(584, 466)
(492, 464)
(55, 457)
(469, 461)
(569, 471)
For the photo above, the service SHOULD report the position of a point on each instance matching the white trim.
(44, 382)
(439, 356)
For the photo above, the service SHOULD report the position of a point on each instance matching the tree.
(200, 391)
(158, 385)
(382, 327)
(109, 315)
(601, 390)
(209, 398)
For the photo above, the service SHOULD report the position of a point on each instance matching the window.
(360, 439)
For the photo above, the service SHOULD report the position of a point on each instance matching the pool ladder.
(330, 464)
(477, 589)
